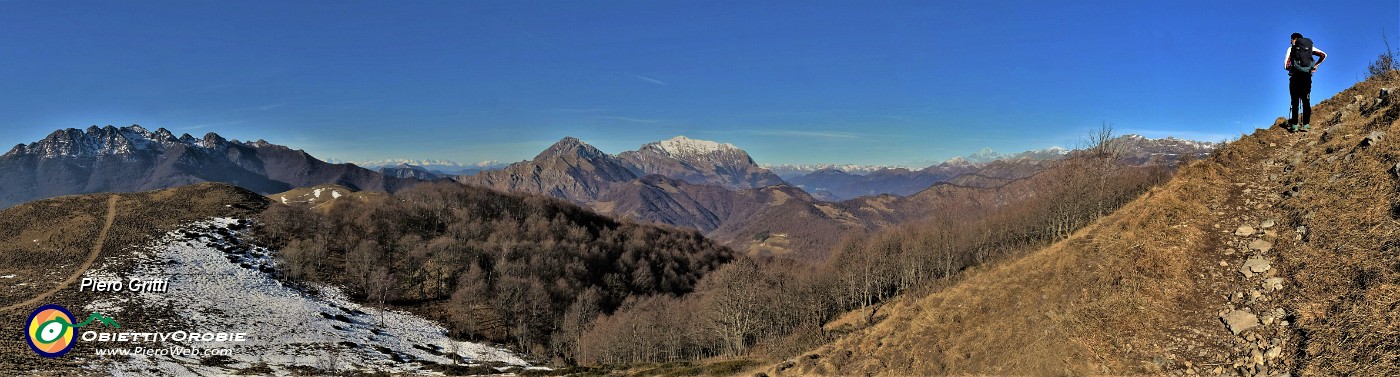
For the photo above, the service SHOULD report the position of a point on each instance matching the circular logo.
(50, 331)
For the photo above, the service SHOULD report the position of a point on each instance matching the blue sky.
(889, 82)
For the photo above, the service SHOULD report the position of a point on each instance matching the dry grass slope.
(1140, 291)
(1347, 268)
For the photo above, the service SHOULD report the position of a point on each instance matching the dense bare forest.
(522, 269)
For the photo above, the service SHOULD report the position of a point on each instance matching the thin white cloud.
(810, 134)
(633, 120)
(207, 125)
(543, 41)
(575, 111)
(271, 106)
(650, 80)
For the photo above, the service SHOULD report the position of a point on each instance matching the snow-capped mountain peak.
(985, 155)
(700, 162)
(681, 147)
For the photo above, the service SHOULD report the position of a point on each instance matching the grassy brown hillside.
(43, 243)
(1145, 289)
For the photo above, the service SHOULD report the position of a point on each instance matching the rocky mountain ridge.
(125, 159)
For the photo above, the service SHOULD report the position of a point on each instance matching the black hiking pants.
(1299, 87)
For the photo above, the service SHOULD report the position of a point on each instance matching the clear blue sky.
(885, 82)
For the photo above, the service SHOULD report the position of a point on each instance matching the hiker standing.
(1300, 65)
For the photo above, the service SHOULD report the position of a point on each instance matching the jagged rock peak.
(570, 146)
(107, 141)
(212, 140)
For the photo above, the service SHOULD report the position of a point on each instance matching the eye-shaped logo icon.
(50, 331)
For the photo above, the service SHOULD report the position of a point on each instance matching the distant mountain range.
(410, 171)
(787, 171)
(1140, 150)
(714, 187)
(126, 159)
(985, 167)
(436, 167)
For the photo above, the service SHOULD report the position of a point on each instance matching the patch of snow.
(217, 283)
(106, 306)
(335, 194)
(7, 277)
(284, 199)
(318, 192)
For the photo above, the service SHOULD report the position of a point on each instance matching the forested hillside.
(517, 268)
(765, 308)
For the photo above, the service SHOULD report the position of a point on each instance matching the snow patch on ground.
(7, 277)
(335, 194)
(219, 284)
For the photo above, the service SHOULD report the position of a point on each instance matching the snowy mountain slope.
(686, 148)
(220, 284)
(699, 162)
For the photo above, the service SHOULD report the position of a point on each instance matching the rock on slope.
(1173, 284)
